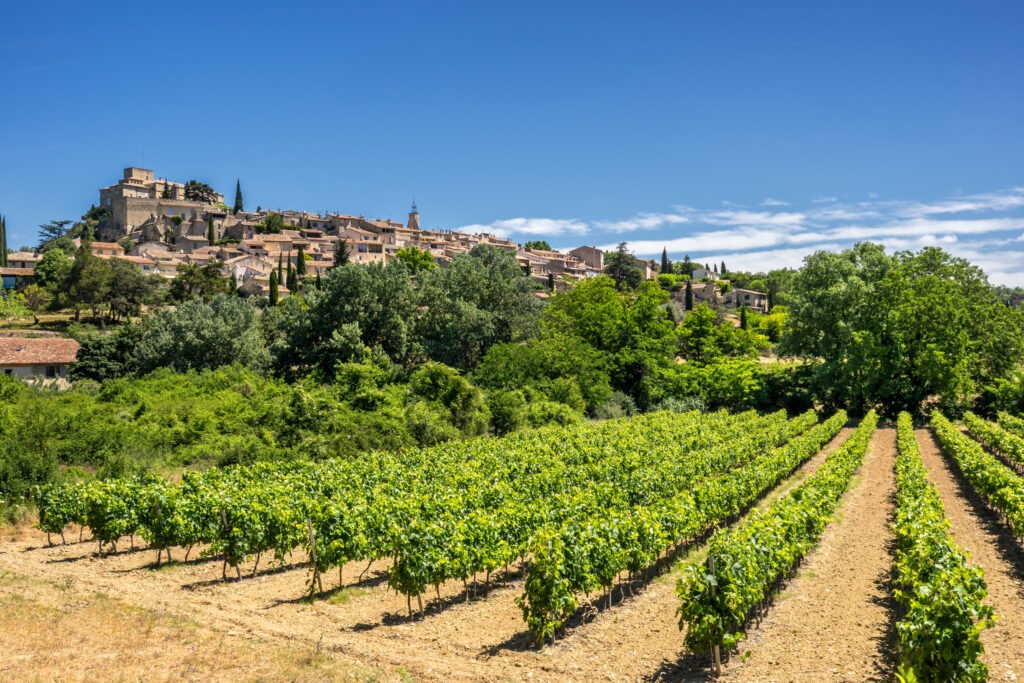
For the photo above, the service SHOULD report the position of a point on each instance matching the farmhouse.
(44, 358)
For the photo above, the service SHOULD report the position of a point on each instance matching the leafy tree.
(52, 269)
(275, 294)
(202, 335)
(273, 224)
(631, 327)
(686, 267)
(357, 308)
(12, 307)
(688, 296)
(623, 268)
(87, 282)
(129, 289)
(106, 356)
(194, 281)
(666, 265)
(417, 260)
(196, 191)
(37, 298)
(341, 253)
(481, 298)
(51, 234)
(893, 331)
(238, 198)
(538, 245)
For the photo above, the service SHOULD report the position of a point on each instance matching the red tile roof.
(37, 351)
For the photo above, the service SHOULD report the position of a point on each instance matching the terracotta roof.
(37, 351)
(23, 256)
(106, 245)
(18, 272)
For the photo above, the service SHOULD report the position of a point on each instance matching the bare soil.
(833, 622)
(363, 628)
(995, 549)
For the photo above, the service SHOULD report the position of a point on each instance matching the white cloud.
(642, 221)
(824, 199)
(768, 201)
(535, 227)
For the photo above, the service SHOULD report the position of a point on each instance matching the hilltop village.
(160, 226)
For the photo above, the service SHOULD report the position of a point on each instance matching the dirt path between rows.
(365, 626)
(993, 547)
(833, 622)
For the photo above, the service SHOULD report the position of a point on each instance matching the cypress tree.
(300, 264)
(280, 267)
(687, 266)
(688, 299)
(666, 265)
(771, 299)
(743, 318)
(318, 283)
(722, 271)
(274, 294)
(551, 281)
(238, 197)
(210, 236)
(3, 242)
(341, 253)
(291, 278)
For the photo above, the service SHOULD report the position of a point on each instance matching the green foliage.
(204, 282)
(202, 335)
(273, 224)
(751, 557)
(196, 191)
(275, 294)
(942, 597)
(239, 204)
(623, 268)
(538, 245)
(416, 259)
(106, 356)
(12, 307)
(895, 330)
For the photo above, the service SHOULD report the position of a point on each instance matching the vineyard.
(675, 532)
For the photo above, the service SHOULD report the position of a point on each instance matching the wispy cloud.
(988, 226)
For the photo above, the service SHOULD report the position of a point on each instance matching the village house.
(37, 358)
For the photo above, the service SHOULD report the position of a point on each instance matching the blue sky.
(753, 132)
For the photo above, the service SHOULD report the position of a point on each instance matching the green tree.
(12, 307)
(238, 198)
(194, 281)
(87, 282)
(743, 317)
(538, 245)
(129, 289)
(37, 298)
(3, 241)
(300, 264)
(551, 281)
(211, 236)
(52, 269)
(688, 296)
(894, 331)
(417, 260)
(722, 270)
(274, 293)
(196, 191)
(481, 298)
(201, 335)
(52, 234)
(106, 356)
(280, 267)
(273, 224)
(290, 284)
(623, 268)
(341, 253)
(666, 265)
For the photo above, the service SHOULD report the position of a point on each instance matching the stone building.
(139, 197)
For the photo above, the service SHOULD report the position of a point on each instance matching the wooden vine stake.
(715, 653)
(312, 555)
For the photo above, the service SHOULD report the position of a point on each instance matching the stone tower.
(414, 217)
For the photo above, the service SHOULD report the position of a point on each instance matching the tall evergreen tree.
(280, 267)
(211, 237)
(743, 318)
(722, 269)
(3, 242)
(341, 253)
(274, 294)
(318, 285)
(300, 264)
(551, 281)
(688, 298)
(771, 299)
(291, 278)
(666, 265)
(687, 268)
(238, 197)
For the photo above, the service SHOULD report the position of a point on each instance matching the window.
(8, 371)
(51, 371)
